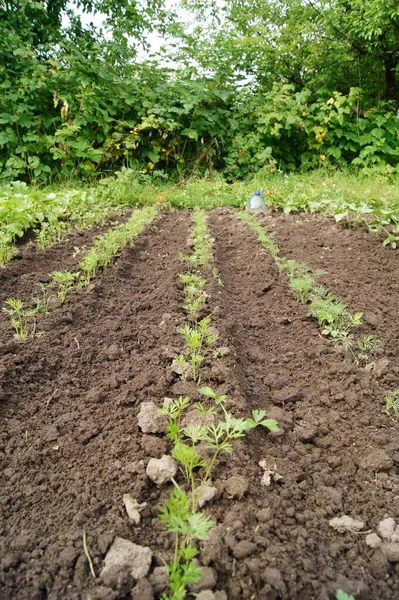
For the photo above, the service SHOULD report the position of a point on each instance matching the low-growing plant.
(180, 512)
(66, 282)
(41, 304)
(392, 405)
(185, 526)
(216, 437)
(19, 317)
(333, 317)
(87, 553)
(341, 595)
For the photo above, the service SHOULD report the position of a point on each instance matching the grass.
(316, 191)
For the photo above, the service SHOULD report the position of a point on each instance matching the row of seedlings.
(105, 248)
(51, 216)
(332, 316)
(197, 447)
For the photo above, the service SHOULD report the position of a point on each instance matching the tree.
(334, 44)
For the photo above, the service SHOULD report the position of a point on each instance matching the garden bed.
(70, 396)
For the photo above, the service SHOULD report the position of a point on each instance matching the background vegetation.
(281, 85)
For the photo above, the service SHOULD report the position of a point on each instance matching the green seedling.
(216, 275)
(341, 595)
(41, 304)
(392, 405)
(333, 317)
(173, 409)
(19, 317)
(66, 282)
(180, 513)
(110, 244)
(365, 346)
(52, 233)
(216, 437)
(193, 339)
(184, 365)
(185, 526)
(302, 286)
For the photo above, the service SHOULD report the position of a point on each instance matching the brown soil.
(70, 445)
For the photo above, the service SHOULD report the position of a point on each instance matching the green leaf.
(191, 133)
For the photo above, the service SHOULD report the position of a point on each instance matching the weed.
(392, 405)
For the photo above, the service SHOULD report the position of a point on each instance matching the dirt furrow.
(326, 408)
(70, 446)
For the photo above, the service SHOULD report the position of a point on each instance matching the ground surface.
(69, 399)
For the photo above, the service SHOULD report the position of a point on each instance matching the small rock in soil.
(269, 474)
(180, 369)
(113, 352)
(207, 581)
(206, 595)
(95, 396)
(133, 508)
(264, 515)
(243, 549)
(373, 541)
(345, 523)
(208, 493)
(391, 551)
(194, 417)
(378, 368)
(135, 468)
(159, 579)
(236, 486)
(142, 591)
(376, 460)
(161, 470)
(149, 420)
(386, 528)
(124, 560)
(214, 549)
(284, 418)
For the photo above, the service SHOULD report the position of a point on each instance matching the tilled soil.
(71, 446)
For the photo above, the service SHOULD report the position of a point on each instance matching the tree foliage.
(276, 84)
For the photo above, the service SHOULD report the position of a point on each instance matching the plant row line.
(332, 316)
(196, 447)
(105, 248)
(53, 215)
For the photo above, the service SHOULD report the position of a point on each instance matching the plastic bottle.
(256, 203)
